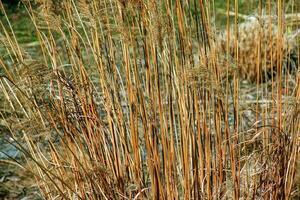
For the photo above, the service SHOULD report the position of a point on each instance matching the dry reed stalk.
(130, 102)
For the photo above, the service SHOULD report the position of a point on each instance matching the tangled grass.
(135, 100)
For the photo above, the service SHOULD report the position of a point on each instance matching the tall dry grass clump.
(136, 100)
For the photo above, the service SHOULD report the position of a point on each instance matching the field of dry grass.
(132, 99)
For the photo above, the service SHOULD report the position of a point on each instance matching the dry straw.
(137, 100)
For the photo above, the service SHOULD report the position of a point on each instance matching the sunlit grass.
(146, 100)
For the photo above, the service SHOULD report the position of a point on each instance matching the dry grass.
(136, 100)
